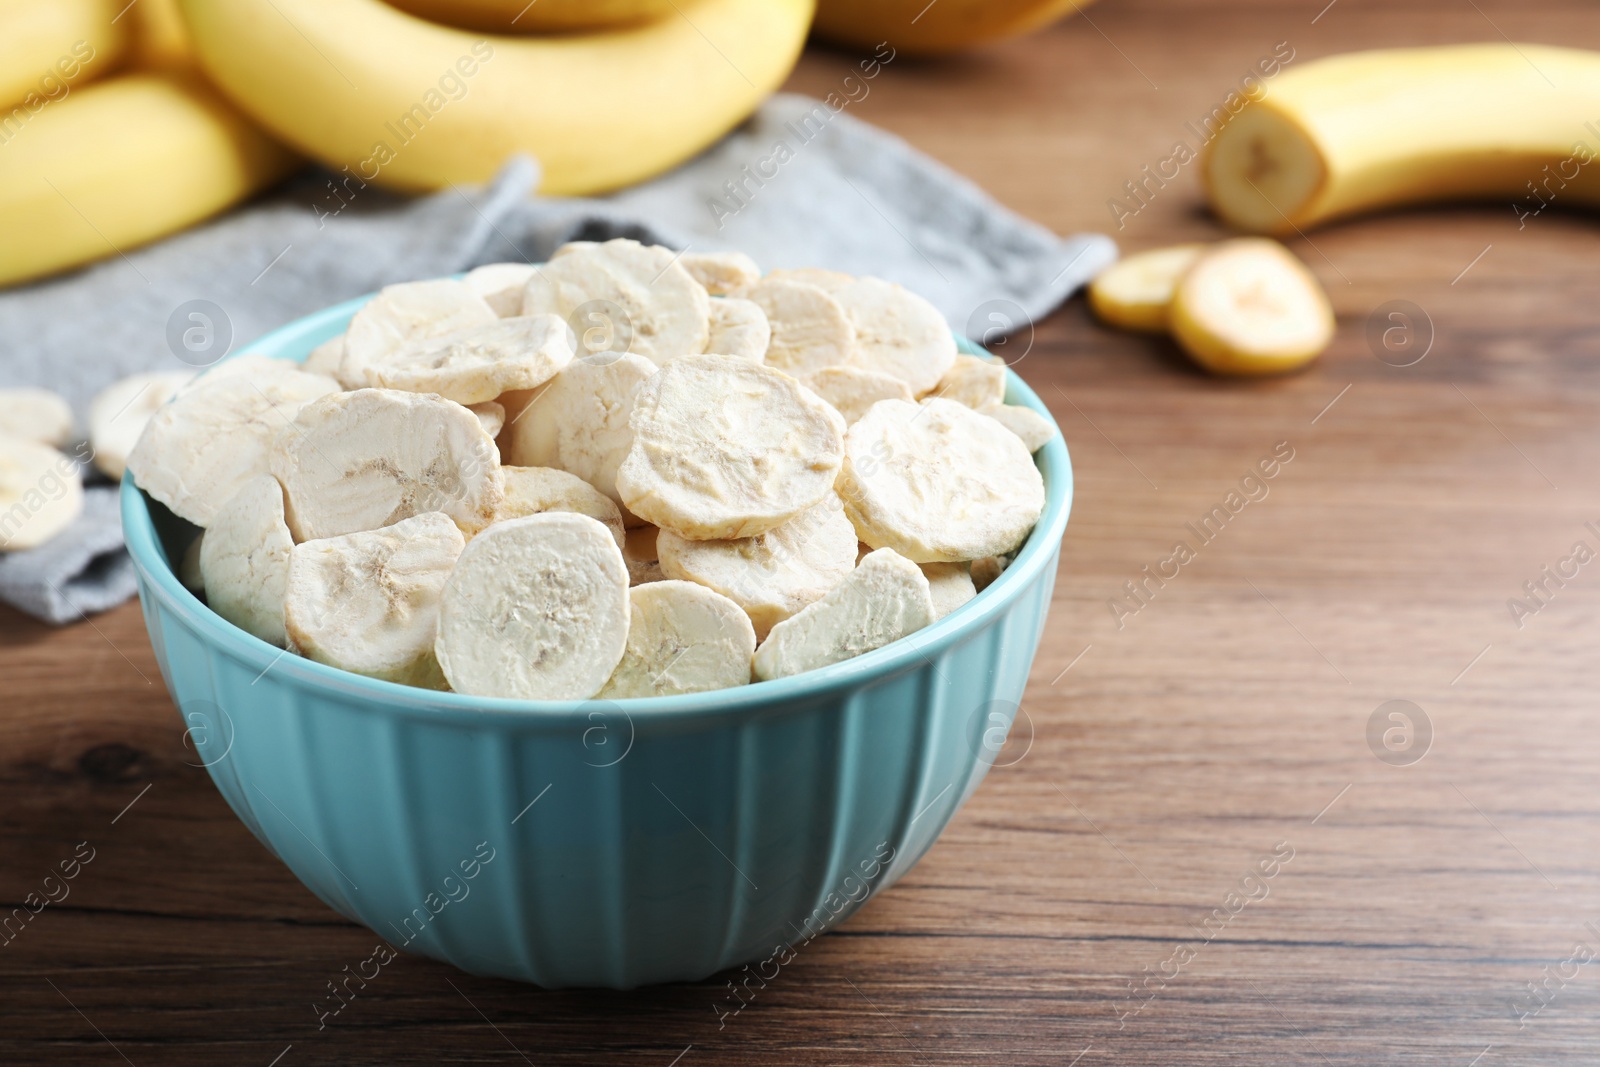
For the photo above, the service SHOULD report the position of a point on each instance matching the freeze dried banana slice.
(573, 246)
(35, 415)
(579, 421)
(217, 434)
(491, 415)
(1034, 430)
(775, 574)
(827, 280)
(950, 585)
(682, 638)
(119, 412)
(852, 391)
(721, 272)
(244, 560)
(533, 490)
(897, 332)
(885, 598)
(986, 570)
(938, 482)
(189, 575)
(724, 448)
(501, 285)
(369, 602)
(640, 553)
(479, 363)
(975, 382)
(372, 457)
(810, 329)
(645, 301)
(739, 328)
(404, 314)
(538, 610)
(326, 357)
(40, 493)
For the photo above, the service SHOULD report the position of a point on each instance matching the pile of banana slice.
(473, 488)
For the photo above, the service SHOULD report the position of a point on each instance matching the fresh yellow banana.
(917, 27)
(412, 105)
(1249, 307)
(46, 46)
(1372, 130)
(544, 16)
(1134, 292)
(122, 162)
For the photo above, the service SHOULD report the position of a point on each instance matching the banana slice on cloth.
(852, 390)
(1031, 428)
(1135, 293)
(119, 412)
(885, 598)
(244, 560)
(405, 314)
(975, 382)
(219, 432)
(534, 490)
(35, 415)
(40, 493)
(538, 610)
(739, 328)
(682, 638)
(1248, 307)
(897, 332)
(725, 448)
(579, 421)
(810, 330)
(501, 285)
(372, 457)
(938, 482)
(624, 296)
(479, 363)
(950, 585)
(721, 273)
(368, 602)
(772, 575)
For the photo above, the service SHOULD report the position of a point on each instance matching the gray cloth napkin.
(797, 185)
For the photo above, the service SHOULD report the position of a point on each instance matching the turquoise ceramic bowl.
(598, 843)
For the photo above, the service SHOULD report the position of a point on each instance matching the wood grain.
(1225, 719)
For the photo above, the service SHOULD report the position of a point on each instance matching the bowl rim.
(294, 340)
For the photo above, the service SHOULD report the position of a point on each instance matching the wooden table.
(1227, 719)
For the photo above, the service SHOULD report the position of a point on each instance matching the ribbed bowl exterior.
(599, 843)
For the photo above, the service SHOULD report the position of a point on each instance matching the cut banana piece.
(726, 448)
(897, 333)
(885, 598)
(40, 493)
(775, 574)
(534, 490)
(642, 556)
(406, 314)
(369, 602)
(721, 273)
(950, 585)
(326, 357)
(626, 297)
(852, 391)
(538, 610)
(739, 328)
(479, 363)
(35, 415)
(682, 638)
(938, 482)
(579, 421)
(501, 285)
(119, 412)
(810, 330)
(244, 560)
(1135, 293)
(1248, 306)
(370, 458)
(1032, 428)
(491, 415)
(975, 382)
(218, 433)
